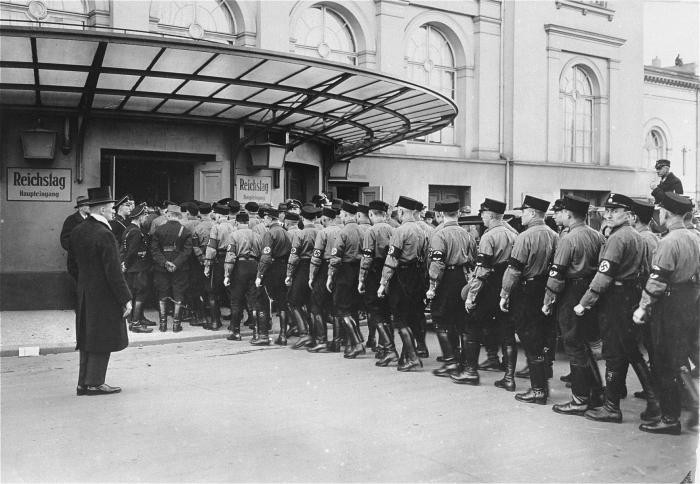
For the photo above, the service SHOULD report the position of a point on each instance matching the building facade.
(553, 97)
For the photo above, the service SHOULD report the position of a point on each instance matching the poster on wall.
(39, 184)
(253, 189)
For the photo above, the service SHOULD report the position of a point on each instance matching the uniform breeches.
(139, 284)
(345, 295)
(575, 329)
(242, 288)
(447, 309)
(274, 283)
(171, 284)
(620, 335)
(674, 334)
(532, 326)
(376, 306)
(406, 292)
(321, 299)
(487, 312)
(299, 291)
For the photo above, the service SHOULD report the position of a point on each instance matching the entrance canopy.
(116, 75)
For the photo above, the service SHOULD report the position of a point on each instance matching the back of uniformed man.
(137, 265)
(220, 237)
(673, 292)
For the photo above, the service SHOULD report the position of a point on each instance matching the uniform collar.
(615, 229)
(101, 219)
(451, 222)
(675, 225)
(576, 225)
(535, 222)
(408, 222)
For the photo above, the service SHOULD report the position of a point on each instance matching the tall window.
(578, 104)
(655, 146)
(210, 19)
(322, 32)
(430, 62)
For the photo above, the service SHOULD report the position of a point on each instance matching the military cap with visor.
(409, 203)
(378, 205)
(535, 203)
(575, 204)
(446, 205)
(492, 205)
(677, 204)
(617, 200)
(661, 162)
(348, 207)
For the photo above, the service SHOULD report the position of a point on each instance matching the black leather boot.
(421, 347)
(371, 332)
(256, 325)
(449, 365)
(412, 361)
(510, 355)
(357, 347)
(469, 374)
(177, 315)
(595, 382)
(215, 313)
(580, 390)
(302, 326)
(162, 315)
(263, 339)
(136, 325)
(653, 410)
(549, 356)
(335, 346)
(537, 393)
(665, 425)
(321, 335)
(610, 410)
(491, 363)
(522, 373)
(282, 337)
(389, 354)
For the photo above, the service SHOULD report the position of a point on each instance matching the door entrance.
(150, 177)
(301, 181)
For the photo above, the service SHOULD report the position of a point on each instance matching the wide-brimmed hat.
(81, 201)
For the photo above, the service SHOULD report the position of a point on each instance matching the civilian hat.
(99, 196)
(81, 201)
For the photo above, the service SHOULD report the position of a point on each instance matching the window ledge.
(597, 8)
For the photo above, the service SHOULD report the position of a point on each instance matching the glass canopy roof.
(110, 74)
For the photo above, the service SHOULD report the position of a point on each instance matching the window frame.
(307, 50)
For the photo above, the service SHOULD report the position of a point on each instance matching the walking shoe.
(606, 413)
(532, 395)
(665, 425)
(103, 389)
(572, 407)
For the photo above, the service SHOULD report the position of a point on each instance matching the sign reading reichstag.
(253, 189)
(39, 184)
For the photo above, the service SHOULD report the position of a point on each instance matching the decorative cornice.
(666, 77)
(598, 8)
(586, 35)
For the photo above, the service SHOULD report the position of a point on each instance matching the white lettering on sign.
(253, 189)
(39, 185)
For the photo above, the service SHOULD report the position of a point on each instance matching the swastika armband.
(367, 253)
(317, 253)
(294, 250)
(484, 260)
(267, 250)
(659, 274)
(334, 251)
(557, 272)
(437, 255)
(228, 247)
(394, 251)
(608, 267)
(516, 264)
(213, 243)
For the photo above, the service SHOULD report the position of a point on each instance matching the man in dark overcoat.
(104, 299)
(81, 213)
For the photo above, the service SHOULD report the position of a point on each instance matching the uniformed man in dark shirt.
(137, 265)
(575, 263)
(481, 294)
(171, 249)
(272, 269)
(452, 255)
(240, 268)
(668, 181)
(321, 298)
(522, 292)
(614, 289)
(297, 279)
(404, 273)
(122, 208)
(219, 240)
(198, 282)
(343, 274)
(673, 292)
(375, 246)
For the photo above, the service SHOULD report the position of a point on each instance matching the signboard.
(39, 185)
(253, 189)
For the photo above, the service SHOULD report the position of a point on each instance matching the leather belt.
(625, 282)
(169, 248)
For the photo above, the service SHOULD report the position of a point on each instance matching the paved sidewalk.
(53, 331)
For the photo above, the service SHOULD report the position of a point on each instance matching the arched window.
(209, 19)
(322, 32)
(655, 146)
(430, 62)
(578, 110)
(45, 11)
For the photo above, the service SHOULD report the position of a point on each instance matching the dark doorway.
(150, 177)
(301, 181)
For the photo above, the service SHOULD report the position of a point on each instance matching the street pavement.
(216, 411)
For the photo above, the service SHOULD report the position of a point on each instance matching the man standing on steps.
(104, 299)
(522, 292)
